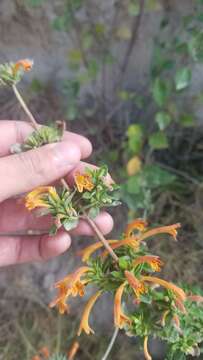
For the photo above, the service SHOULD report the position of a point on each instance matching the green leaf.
(187, 120)
(70, 223)
(124, 262)
(135, 138)
(124, 33)
(133, 8)
(163, 119)
(160, 91)
(183, 78)
(75, 56)
(195, 47)
(158, 141)
(93, 212)
(53, 230)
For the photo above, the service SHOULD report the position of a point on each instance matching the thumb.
(25, 171)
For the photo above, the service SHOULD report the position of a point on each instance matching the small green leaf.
(183, 78)
(160, 91)
(93, 212)
(134, 8)
(70, 223)
(158, 141)
(123, 262)
(187, 120)
(135, 138)
(163, 119)
(53, 230)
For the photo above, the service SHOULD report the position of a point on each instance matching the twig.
(180, 173)
(111, 344)
(101, 237)
(133, 39)
(25, 108)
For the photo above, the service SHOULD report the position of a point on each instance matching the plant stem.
(25, 108)
(100, 236)
(110, 346)
(63, 182)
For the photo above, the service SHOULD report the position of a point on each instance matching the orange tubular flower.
(84, 324)
(89, 250)
(146, 351)
(154, 261)
(131, 241)
(25, 64)
(45, 352)
(120, 319)
(83, 182)
(73, 350)
(178, 292)
(171, 230)
(180, 305)
(137, 285)
(195, 298)
(36, 357)
(71, 285)
(36, 197)
(137, 224)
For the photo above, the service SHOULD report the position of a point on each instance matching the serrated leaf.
(163, 119)
(183, 78)
(158, 141)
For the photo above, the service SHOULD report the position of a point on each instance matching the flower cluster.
(12, 73)
(67, 206)
(144, 304)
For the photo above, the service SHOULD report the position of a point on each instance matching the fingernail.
(66, 154)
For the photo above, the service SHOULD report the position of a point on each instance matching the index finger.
(12, 132)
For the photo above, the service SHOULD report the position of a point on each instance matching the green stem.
(111, 344)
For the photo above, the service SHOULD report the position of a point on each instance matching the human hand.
(21, 173)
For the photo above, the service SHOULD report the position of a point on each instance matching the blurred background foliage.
(150, 132)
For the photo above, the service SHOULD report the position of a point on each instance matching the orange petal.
(171, 230)
(118, 313)
(137, 224)
(137, 285)
(84, 324)
(195, 298)
(131, 241)
(73, 350)
(154, 261)
(89, 250)
(45, 352)
(168, 285)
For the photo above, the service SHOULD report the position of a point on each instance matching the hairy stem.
(111, 344)
(100, 236)
(25, 108)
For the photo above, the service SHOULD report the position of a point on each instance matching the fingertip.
(104, 222)
(55, 245)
